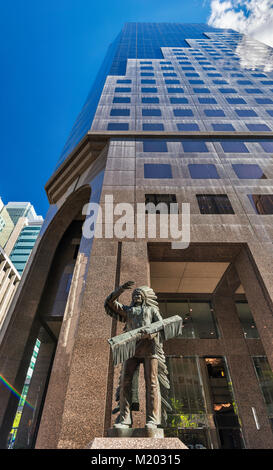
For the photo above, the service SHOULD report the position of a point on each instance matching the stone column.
(244, 382)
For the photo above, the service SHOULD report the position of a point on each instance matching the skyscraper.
(178, 114)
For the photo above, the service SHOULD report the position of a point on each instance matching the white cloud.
(251, 17)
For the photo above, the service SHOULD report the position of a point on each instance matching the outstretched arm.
(113, 307)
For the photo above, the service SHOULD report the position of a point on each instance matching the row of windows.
(188, 112)
(228, 90)
(228, 146)
(196, 81)
(203, 171)
(124, 126)
(211, 203)
(183, 100)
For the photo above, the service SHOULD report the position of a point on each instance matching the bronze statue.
(142, 342)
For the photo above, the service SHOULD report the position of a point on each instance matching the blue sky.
(50, 53)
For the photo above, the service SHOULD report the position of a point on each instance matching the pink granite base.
(136, 443)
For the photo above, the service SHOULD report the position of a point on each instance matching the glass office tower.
(179, 113)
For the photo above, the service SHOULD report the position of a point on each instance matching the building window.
(175, 90)
(124, 81)
(151, 112)
(223, 127)
(248, 171)
(263, 100)
(155, 146)
(155, 199)
(267, 146)
(157, 170)
(122, 99)
(120, 112)
(214, 204)
(253, 90)
(227, 90)
(265, 379)
(214, 112)
(262, 203)
(245, 112)
(147, 100)
(122, 90)
(147, 74)
(152, 127)
(198, 317)
(194, 146)
(236, 101)
(149, 90)
(258, 127)
(207, 100)
(174, 100)
(234, 146)
(203, 171)
(201, 90)
(187, 126)
(118, 126)
(246, 319)
(182, 112)
(148, 82)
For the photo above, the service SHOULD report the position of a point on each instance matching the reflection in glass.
(262, 203)
(248, 171)
(246, 320)
(265, 378)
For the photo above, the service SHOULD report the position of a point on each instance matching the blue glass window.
(201, 90)
(235, 100)
(152, 127)
(234, 146)
(214, 112)
(220, 82)
(253, 90)
(245, 112)
(267, 82)
(169, 74)
(122, 90)
(118, 126)
(152, 99)
(244, 82)
(207, 100)
(227, 90)
(270, 112)
(248, 171)
(120, 112)
(167, 68)
(155, 146)
(148, 82)
(146, 68)
(187, 68)
(192, 74)
(151, 112)
(172, 82)
(174, 100)
(157, 170)
(223, 127)
(203, 171)
(258, 75)
(189, 126)
(122, 99)
(124, 81)
(175, 90)
(267, 146)
(196, 82)
(264, 100)
(147, 74)
(194, 146)
(182, 112)
(145, 62)
(258, 127)
(149, 90)
(214, 74)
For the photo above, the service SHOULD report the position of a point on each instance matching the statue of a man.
(142, 312)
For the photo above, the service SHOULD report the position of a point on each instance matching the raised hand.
(128, 285)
